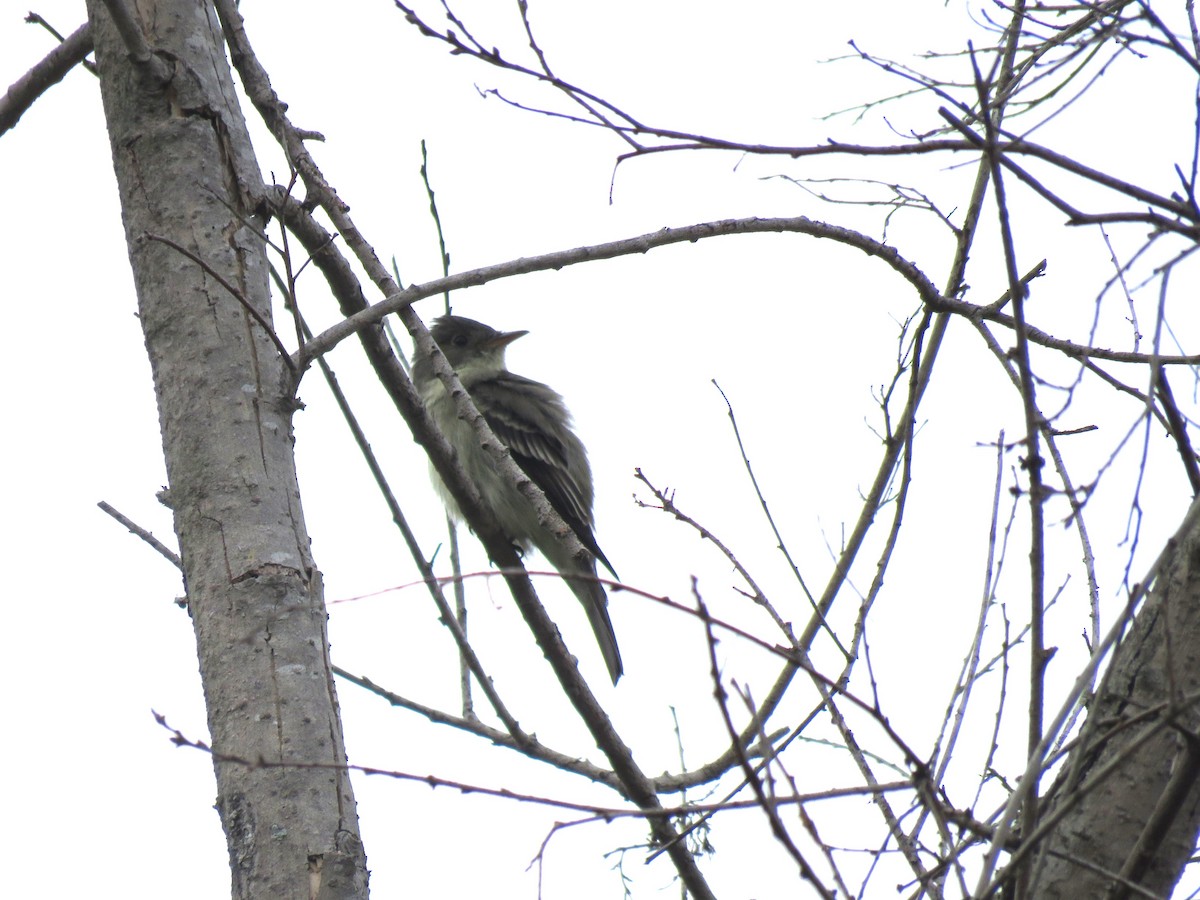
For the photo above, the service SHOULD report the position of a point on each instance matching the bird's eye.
(459, 340)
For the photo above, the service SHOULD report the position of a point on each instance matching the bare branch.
(163, 550)
(399, 300)
(53, 68)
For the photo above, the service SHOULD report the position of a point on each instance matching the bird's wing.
(531, 419)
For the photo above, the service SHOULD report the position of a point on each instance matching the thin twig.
(233, 292)
(777, 829)
(145, 535)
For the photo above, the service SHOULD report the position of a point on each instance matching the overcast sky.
(798, 333)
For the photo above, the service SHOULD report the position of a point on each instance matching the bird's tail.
(591, 594)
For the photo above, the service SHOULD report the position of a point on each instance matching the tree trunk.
(1133, 777)
(186, 172)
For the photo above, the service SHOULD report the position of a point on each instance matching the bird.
(533, 422)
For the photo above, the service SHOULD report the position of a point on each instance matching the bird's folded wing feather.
(524, 414)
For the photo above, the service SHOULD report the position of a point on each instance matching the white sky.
(797, 332)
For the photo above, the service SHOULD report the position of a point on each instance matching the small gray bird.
(533, 422)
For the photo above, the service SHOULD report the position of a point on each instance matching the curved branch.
(331, 337)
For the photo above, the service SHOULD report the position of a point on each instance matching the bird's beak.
(504, 338)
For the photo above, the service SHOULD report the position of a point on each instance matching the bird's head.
(474, 350)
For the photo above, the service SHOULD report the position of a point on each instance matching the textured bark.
(1137, 824)
(186, 171)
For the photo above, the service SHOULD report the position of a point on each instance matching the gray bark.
(186, 171)
(1131, 787)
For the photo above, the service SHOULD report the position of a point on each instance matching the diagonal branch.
(53, 68)
(636, 786)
